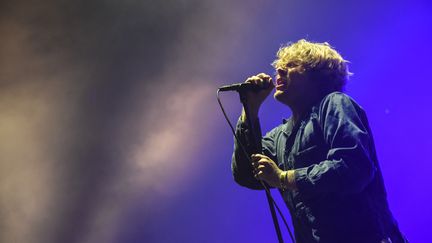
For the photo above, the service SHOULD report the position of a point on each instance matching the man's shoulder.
(339, 105)
(336, 100)
(337, 97)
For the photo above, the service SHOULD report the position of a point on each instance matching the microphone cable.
(250, 161)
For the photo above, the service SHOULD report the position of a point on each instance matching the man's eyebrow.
(292, 63)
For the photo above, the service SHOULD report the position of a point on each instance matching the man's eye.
(281, 72)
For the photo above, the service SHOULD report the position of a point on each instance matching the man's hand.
(266, 169)
(255, 99)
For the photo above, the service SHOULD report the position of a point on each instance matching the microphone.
(239, 87)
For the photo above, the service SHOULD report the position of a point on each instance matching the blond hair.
(320, 60)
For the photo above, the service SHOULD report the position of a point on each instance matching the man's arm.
(251, 139)
(247, 169)
(241, 164)
(348, 167)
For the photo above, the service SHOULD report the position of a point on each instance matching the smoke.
(101, 102)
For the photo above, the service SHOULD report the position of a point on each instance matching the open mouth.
(280, 83)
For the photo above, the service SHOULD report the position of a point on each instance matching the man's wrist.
(282, 179)
(291, 180)
(287, 180)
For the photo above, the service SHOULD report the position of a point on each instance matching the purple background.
(110, 129)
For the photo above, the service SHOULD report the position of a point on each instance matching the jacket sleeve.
(241, 165)
(348, 167)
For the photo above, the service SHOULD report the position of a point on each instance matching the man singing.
(323, 158)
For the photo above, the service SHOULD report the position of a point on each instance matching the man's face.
(292, 84)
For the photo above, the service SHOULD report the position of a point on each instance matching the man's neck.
(302, 108)
(297, 115)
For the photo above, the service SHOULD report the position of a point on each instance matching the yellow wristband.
(282, 180)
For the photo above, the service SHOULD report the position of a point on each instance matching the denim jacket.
(340, 194)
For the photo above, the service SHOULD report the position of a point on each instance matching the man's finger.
(259, 156)
(254, 80)
(260, 167)
(259, 174)
(263, 161)
(265, 76)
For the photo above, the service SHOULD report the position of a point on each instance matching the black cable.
(247, 156)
